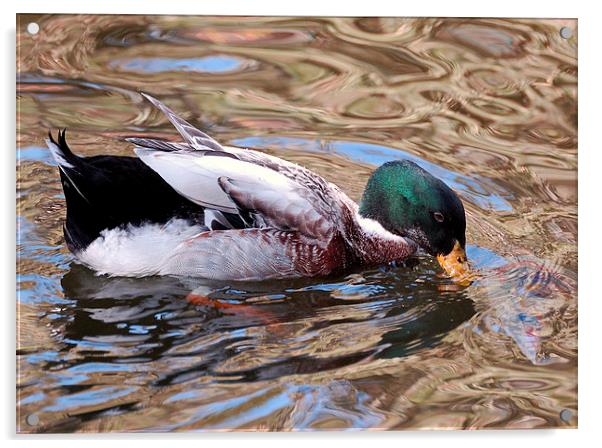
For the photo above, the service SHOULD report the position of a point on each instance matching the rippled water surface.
(489, 106)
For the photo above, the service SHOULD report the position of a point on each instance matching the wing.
(260, 196)
(263, 190)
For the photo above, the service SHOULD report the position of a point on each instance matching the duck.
(197, 208)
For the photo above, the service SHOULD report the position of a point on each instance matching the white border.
(441, 8)
(590, 224)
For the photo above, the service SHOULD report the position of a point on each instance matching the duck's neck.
(373, 244)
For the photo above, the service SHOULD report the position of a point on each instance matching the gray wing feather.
(194, 137)
(160, 145)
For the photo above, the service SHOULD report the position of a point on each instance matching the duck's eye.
(438, 216)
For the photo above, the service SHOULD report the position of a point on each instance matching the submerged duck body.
(198, 208)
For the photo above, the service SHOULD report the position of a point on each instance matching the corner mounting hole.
(33, 28)
(32, 420)
(566, 415)
(566, 32)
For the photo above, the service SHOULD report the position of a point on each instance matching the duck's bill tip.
(455, 264)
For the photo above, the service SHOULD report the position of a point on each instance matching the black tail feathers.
(61, 152)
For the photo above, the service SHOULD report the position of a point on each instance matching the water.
(489, 106)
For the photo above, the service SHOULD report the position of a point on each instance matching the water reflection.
(489, 106)
(207, 64)
(144, 320)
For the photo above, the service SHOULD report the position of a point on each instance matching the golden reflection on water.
(488, 105)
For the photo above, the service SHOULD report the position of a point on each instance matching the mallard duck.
(198, 208)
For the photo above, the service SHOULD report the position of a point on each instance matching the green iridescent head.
(408, 201)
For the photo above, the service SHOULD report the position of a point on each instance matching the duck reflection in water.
(148, 320)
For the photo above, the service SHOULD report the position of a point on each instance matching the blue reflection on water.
(47, 356)
(245, 414)
(40, 288)
(268, 407)
(38, 396)
(183, 396)
(94, 367)
(88, 398)
(484, 258)
(207, 64)
(470, 187)
(32, 78)
(36, 154)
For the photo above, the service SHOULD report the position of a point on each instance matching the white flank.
(57, 154)
(136, 251)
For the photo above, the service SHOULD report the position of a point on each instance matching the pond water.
(489, 106)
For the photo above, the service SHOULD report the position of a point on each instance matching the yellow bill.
(455, 264)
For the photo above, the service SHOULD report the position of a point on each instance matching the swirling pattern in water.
(487, 105)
